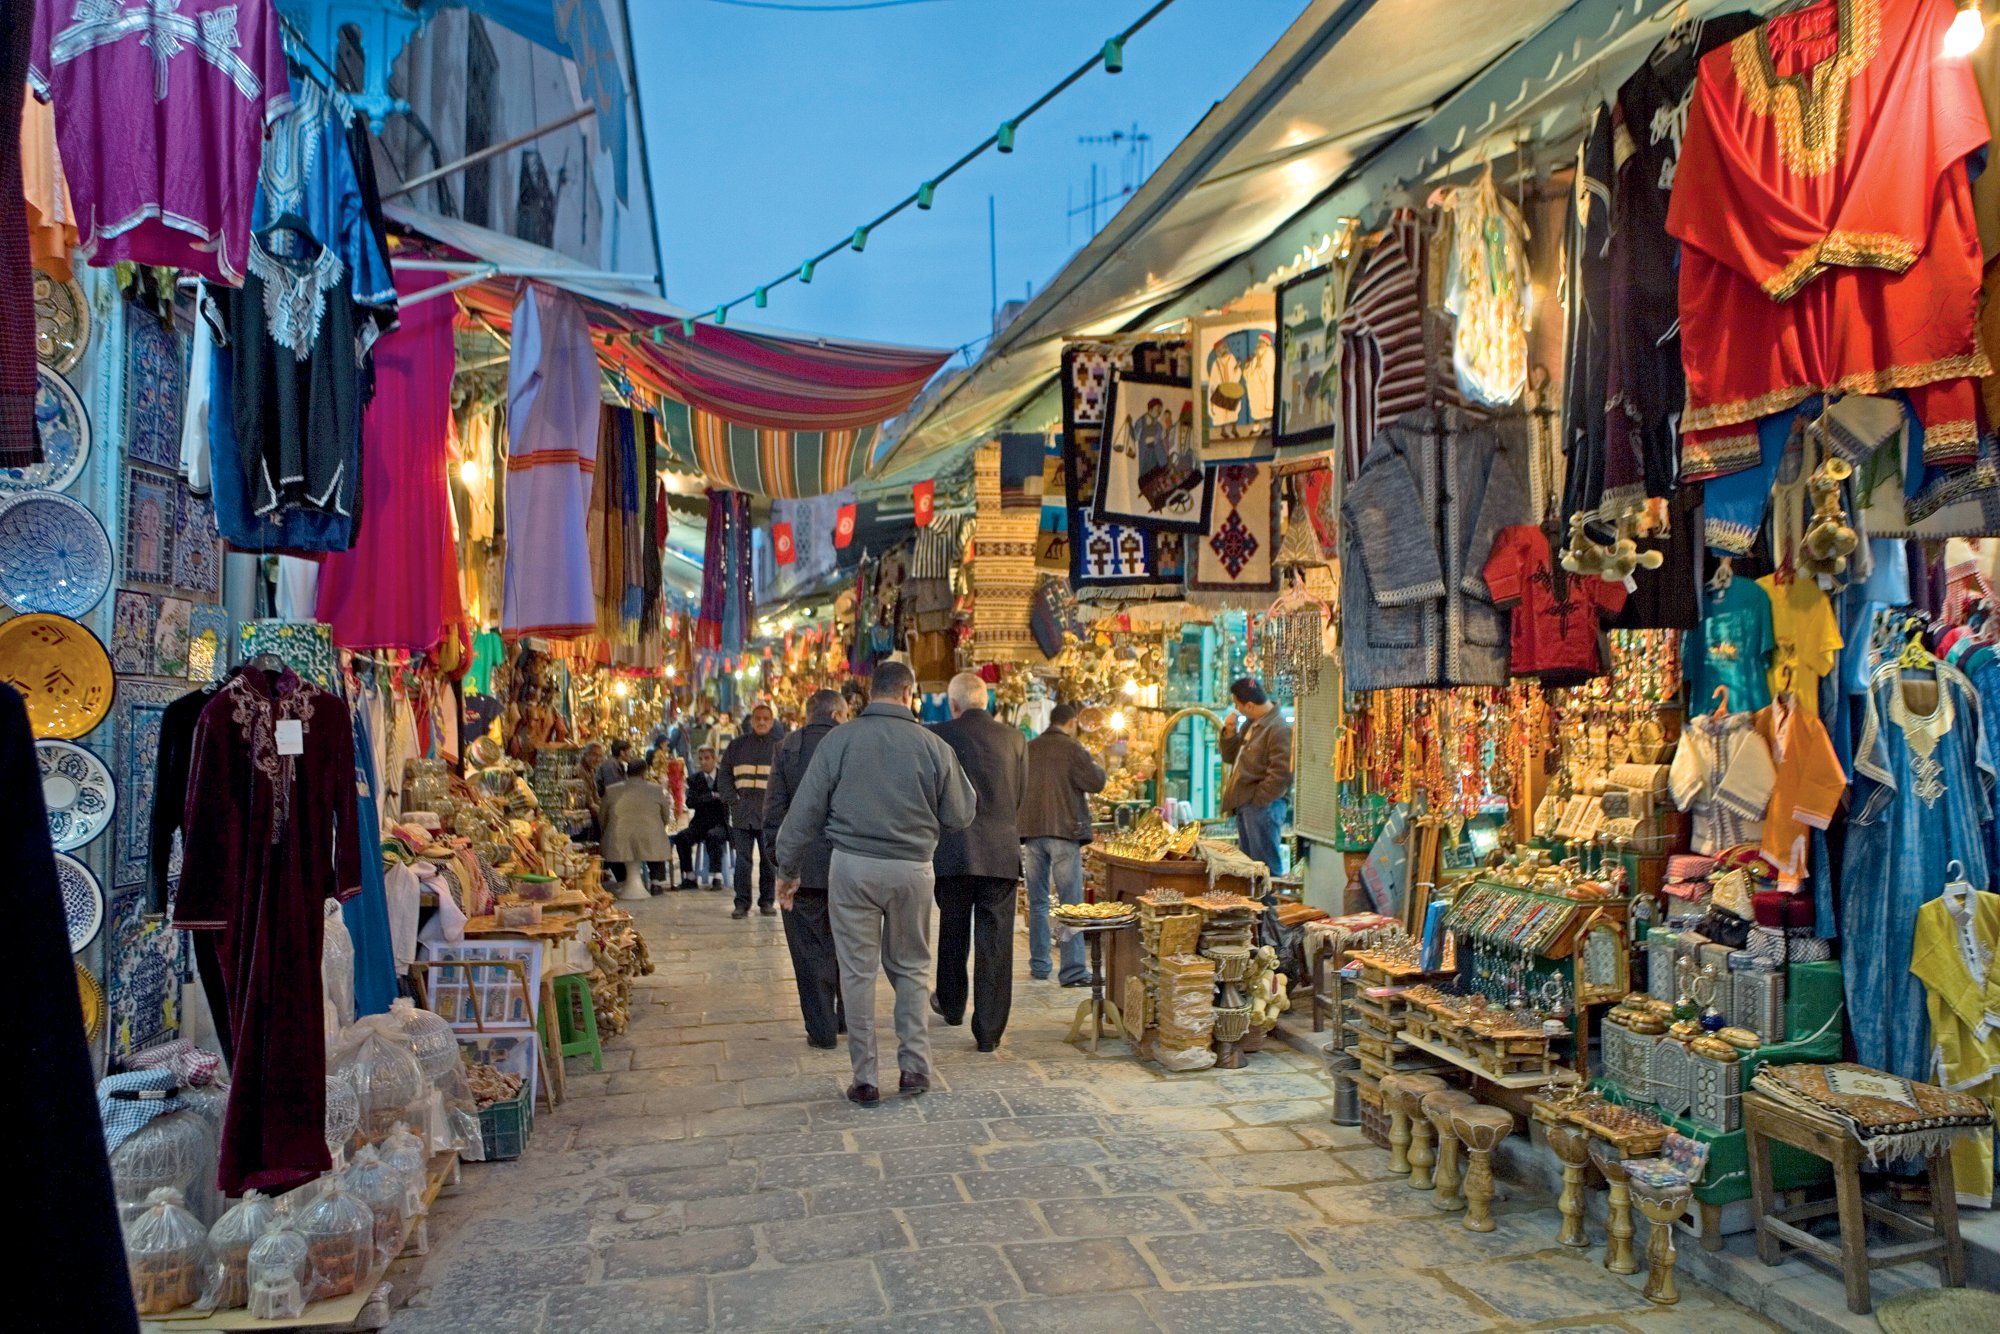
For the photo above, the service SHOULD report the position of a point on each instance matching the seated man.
(708, 821)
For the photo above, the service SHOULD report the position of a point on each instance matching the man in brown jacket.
(1055, 824)
(1262, 755)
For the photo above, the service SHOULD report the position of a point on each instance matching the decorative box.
(1625, 1055)
(1670, 1077)
(1662, 947)
(1757, 995)
(1715, 1090)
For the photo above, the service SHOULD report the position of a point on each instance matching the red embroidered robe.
(1826, 228)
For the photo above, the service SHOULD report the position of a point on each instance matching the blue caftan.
(1923, 798)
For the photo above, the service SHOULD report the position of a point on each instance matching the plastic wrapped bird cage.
(164, 1250)
(336, 963)
(229, 1243)
(343, 1116)
(384, 1190)
(431, 1040)
(404, 1153)
(164, 1153)
(386, 1077)
(279, 1267)
(211, 1103)
(340, 1242)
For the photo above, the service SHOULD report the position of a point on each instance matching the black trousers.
(744, 840)
(809, 937)
(716, 837)
(655, 871)
(976, 915)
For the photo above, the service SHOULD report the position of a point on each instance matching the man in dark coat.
(708, 821)
(808, 927)
(1055, 824)
(978, 866)
(746, 771)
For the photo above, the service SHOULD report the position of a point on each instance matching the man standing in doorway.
(808, 928)
(1262, 755)
(1055, 824)
(978, 868)
(746, 771)
(882, 787)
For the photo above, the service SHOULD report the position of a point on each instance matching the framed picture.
(132, 633)
(1235, 375)
(141, 975)
(197, 546)
(1308, 399)
(171, 633)
(1149, 471)
(153, 391)
(151, 504)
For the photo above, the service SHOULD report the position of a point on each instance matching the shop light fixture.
(1005, 134)
(1130, 687)
(470, 472)
(762, 297)
(1966, 32)
(621, 688)
(1118, 721)
(806, 272)
(860, 241)
(1114, 56)
(925, 193)
(722, 315)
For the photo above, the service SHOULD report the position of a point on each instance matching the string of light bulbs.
(1111, 56)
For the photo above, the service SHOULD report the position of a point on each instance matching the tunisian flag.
(843, 526)
(925, 495)
(781, 543)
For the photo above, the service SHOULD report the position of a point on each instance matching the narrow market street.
(712, 1177)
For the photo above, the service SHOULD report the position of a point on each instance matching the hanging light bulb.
(722, 315)
(1114, 56)
(925, 193)
(1117, 721)
(659, 336)
(1005, 134)
(621, 688)
(1130, 687)
(470, 472)
(860, 241)
(1967, 30)
(687, 328)
(806, 272)
(762, 298)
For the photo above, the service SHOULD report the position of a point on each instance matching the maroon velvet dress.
(270, 835)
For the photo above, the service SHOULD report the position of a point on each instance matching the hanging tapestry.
(728, 602)
(170, 637)
(1236, 373)
(140, 706)
(304, 646)
(1149, 469)
(1235, 555)
(152, 391)
(1133, 561)
(151, 501)
(141, 975)
(132, 633)
(197, 546)
(1052, 529)
(1308, 398)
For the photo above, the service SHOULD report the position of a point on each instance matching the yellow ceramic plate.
(62, 672)
(93, 1003)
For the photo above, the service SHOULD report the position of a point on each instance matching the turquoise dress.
(1923, 798)
(1731, 647)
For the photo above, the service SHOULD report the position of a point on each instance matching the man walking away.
(978, 868)
(1262, 756)
(1055, 824)
(746, 770)
(636, 814)
(808, 929)
(882, 788)
(708, 821)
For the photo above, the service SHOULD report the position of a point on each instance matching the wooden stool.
(1938, 1242)
(1480, 1129)
(1414, 1089)
(1618, 1224)
(1438, 1108)
(1572, 1147)
(1399, 1124)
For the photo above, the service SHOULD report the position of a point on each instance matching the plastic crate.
(504, 1126)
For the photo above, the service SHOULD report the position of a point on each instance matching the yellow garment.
(1808, 636)
(1809, 785)
(1957, 958)
(51, 216)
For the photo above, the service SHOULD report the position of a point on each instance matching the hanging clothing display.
(270, 832)
(1923, 799)
(310, 173)
(1723, 776)
(1382, 337)
(51, 214)
(1957, 957)
(398, 586)
(164, 163)
(1437, 486)
(552, 421)
(1557, 617)
(1805, 637)
(1825, 219)
(1808, 786)
(1587, 335)
(1731, 649)
(1487, 292)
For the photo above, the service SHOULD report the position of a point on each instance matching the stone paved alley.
(713, 1177)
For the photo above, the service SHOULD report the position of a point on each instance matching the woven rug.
(1003, 569)
(1939, 1311)
(1891, 1117)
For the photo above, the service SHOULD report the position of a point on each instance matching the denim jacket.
(1437, 486)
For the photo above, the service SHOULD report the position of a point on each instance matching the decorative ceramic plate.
(65, 430)
(92, 994)
(62, 671)
(54, 555)
(78, 792)
(62, 322)
(82, 901)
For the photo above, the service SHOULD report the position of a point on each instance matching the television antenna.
(1134, 150)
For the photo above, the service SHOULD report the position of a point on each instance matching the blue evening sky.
(775, 132)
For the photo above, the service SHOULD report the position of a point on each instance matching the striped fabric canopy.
(780, 465)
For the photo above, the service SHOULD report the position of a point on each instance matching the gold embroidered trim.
(1851, 250)
(1702, 459)
(1952, 440)
(1809, 109)
(1965, 364)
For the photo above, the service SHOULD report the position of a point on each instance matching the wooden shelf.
(1531, 1080)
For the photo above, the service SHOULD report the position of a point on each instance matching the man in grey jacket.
(978, 869)
(881, 789)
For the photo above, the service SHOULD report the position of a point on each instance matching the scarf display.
(728, 603)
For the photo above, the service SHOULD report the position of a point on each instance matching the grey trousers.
(881, 913)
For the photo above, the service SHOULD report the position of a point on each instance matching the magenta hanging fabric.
(552, 424)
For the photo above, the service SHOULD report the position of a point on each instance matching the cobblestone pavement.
(712, 1177)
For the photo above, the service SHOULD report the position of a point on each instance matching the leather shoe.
(1084, 982)
(739, 913)
(768, 910)
(938, 1010)
(865, 1094)
(911, 1083)
(989, 1046)
(824, 1046)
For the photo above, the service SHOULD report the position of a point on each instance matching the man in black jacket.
(1055, 824)
(708, 821)
(746, 770)
(978, 866)
(808, 926)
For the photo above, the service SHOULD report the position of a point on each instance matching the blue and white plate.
(82, 900)
(54, 556)
(78, 792)
(65, 430)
